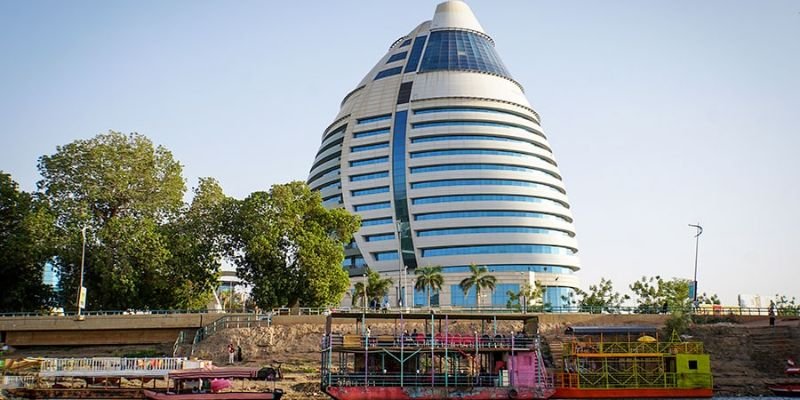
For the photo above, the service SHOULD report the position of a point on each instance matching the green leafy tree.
(429, 279)
(706, 299)
(652, 293)
(601, 298)
(289, 247)
(530, 295)
(479, 279)
(26, 231)
(128, 194)
(377, 288)
(786, 306)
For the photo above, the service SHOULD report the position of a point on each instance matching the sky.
(660, 113)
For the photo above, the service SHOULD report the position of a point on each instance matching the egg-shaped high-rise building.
(440, 153)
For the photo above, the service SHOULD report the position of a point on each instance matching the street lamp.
(400, 289)
(81, 293)
(696, 250)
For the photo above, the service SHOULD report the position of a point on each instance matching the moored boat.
(631, 362)
(785, 390)
(212, 383)
(442, 361)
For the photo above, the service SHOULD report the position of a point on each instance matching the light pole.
(400, 294)
(696, 252)
(80, 282)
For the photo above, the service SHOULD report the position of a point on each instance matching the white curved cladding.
(462, 164)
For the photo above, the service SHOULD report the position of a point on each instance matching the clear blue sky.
(660, 113)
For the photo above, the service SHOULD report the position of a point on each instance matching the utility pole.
(81, 293)
(696, 252)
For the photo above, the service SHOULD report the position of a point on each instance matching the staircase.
(771, 346)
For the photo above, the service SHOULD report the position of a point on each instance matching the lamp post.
(522, 291)
(696, 252)
(79, 317)
(400, 268)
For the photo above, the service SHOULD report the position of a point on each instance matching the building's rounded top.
(455, 14)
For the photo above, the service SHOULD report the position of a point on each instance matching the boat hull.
(786, 390)
(633, 393)
(149, 394)
(436, 393)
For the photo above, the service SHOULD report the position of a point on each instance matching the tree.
(480, 279)
(26, 231)
(128, 193)
(429, 279)
(706, 299)
(786, 306)
(528, 295)
(377, 288)
(289, 247)
(601, 298)
(653, 293)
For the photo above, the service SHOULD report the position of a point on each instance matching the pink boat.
(219, 379)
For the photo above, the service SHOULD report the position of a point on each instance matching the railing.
(421, 379)
(637, 379)
(456, 342)
(578, 348)
(110, 366)
(229, 322)
(14, 381)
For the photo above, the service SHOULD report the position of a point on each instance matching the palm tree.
(377, 288)
(429, 279)
(480, 279)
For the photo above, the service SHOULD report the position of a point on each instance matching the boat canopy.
(611, 330)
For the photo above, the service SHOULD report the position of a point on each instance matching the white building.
(439, 143)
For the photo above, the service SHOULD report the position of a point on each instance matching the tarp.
(210, 373)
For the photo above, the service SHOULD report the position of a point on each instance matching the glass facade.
(497, 249)
(397, 57)
(450, 138)
(473, 152)
(336, 184)
(366, 177)
(386, 256)
(377, 118)
(373, 132)
(379, 237)
(376, 221)
(421, 298)
(555, 296)
(372, 206)
(368, 147)
(332, 201)
(482, 197)
(332, 171)
(462, 51)
(399, 186)
(436, 110)
(367, 192)
(416, 52)
(388, 72)
(479, 182)
(490, 229)
(512, 268)
(486, 214)
(494, 124)
(369, 161)
(476, 166)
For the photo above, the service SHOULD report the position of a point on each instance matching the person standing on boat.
(231, 353)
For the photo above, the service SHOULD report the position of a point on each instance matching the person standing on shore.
(231, 353)
(771, 313)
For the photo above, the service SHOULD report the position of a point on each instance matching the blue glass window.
(479, 182)
(388, 72)
(512, 268)
(397, 57)
(449, 138)
(366, 177)
(500, 293)
(480, 152)
(494, 124)
(366, 192)
(368, 147)
(372, 206)
(369, 161)
(376, 221)
(485, 214)
(482, 197)
(333, 132)
(497, 249)
(354, 262)
(489, 229)
(436, 110)
(476, 166)
(458, 298)
(374, 132)
(387, 255)
(379, 237)
(462, 51)
(399, 185)
(416, 52)
(332, 171)
(421, 298)
(332, 201)
(405, 43)
(377, 118)
(332, 156)
(556, 296)
(335, 183)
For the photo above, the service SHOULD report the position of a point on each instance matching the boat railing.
(15, 381)
(428, 341)
(577, 348)
(413, 379)
(110, 366)
(630, 379)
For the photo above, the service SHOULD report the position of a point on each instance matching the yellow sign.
(82, 302)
